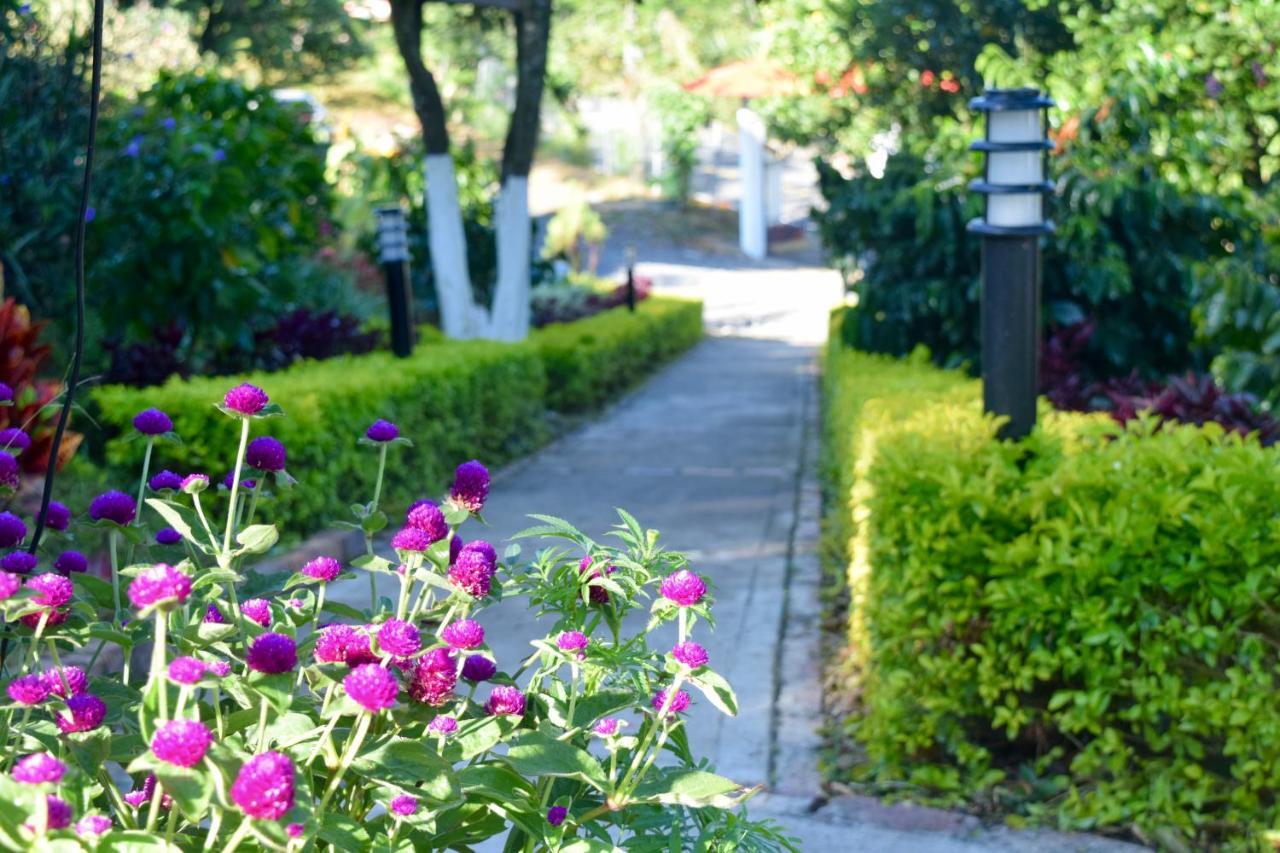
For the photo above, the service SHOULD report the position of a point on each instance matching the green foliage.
(593, 360)
(575, 230)
(682, 115)
(1078, 628)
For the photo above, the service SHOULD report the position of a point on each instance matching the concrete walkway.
(717, 452)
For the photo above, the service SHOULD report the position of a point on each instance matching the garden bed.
(1078, 629)
(459, 399)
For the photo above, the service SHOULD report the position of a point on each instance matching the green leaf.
(693, 788)
(477, 736)
(277, 688)
(539, 754)
(374, 522)
(90, 750)
(257, 539)
(344, 833)
(717, 690)
(190, 787)
(175, 516)
(407, 764)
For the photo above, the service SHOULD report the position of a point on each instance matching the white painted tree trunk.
(459, 315)
(752, 230)
(511, 296)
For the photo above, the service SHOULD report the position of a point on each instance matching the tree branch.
(406, 21)
(533, 29)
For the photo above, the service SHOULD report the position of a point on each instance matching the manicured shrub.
(591, 361)
(1079, 628)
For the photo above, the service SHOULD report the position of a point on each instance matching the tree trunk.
(511, 297)
(459, 315)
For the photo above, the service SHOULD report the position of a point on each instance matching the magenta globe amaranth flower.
(95, 824)
(470, 486)
(57, 813)
(608, 727)
(691, 654)
(264, 787)
(371, 687)
(9, 584)
(265, 454)
(399, 638)
(473, 571)
(10, 476)
(382, 431)
(556, 815)
(113, 506)
(246, 399)
(403, 805)
(596, 593)
(6, 393)
(168, 536)
(505, 701)
(463, 634)
(186, 670)
(165, 481)
(12, 530)
(59, 517)
(19, 563)
(220, 668)
(683, 588)
(71, 562)
(678, 704)
(152, 422)
(323, 569)
(246, 483)
(52, 590)
(214, 616)
(427, 517)
(66, 682)
(39, 769)
(477, 668)
(84, 714)
(160, 585)
(139, 796)
(411, 539)
(257, 609)
(434, 677)
(294, 830)
(443, 726)
(332, 642)
(14, 440)
(30, 689)
(272, 653)
(181, 742)
(572, 641)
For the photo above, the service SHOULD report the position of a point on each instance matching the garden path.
(717, 451)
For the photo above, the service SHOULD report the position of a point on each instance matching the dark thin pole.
(73, 377)
(631, 279)
(1011, 330)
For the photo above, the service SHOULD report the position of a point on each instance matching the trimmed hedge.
(593, 360)
(1083, 628)
(456, 400)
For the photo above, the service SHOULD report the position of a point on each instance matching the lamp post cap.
(1000, 100)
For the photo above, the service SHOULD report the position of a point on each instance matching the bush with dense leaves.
(1078, 627)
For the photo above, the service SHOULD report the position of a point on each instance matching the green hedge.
(593, 360)
(1083, 628)
(455, 400)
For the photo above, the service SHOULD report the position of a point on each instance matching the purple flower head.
(259, 610)
(59, 516)
(556, 815)
(477, 668)
(679, 702)
(572, 641)
(683, 588)
(52, 617)
(473, 571)
(443, 725)
(323, 569)
(85, 713)
(399, 638)
(381, 430)
(410, 539)
(19, 563)
(169, 123)
(193, 484)
(9, 474)
(690, 654)
(220, 668)
(168, 536)
(165, 480)
(152, 422)
(15, 439)
(57, 811)
(214, 616)
(52, 590)
(70, 562)
(38, 769)
(140, 796)
(331, 643)
(486, 551)
(1213, 87)
(70, 681)
(506, 701)
(455, 548)
(160, 584)
(470, 486)
(464, 634)
(9, 584)
(246, 483)
(265, 454)
(113, 506)
(427, 517)
(264, 787)
(372, 687)
(434, 678)
(94, 824)
(6, 393)
(186, 670)
(12, 530)
(403, 805)
(246, 399)
(294, 830)
(30, 689)
(272, 653)
(182, 742)
(608, 727)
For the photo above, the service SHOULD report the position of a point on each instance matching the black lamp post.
(393, 253)
(631, 278)
(1014, 186)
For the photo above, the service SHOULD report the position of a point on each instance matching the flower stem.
(377, 488)
(253, 500)
(236, 837)
(215, 824)
(113, 546)
(208, 531)
(57, 666)
(235, 485)
(142, 483)
(154, 813)
(157, 675)
(348, 755)
(262, 725)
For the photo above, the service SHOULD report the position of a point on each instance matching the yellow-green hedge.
(456, 400)
(1082, 628)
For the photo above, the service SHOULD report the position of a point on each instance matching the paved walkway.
(717, 452)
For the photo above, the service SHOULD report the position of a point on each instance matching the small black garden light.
(631, 277)
(1014, 187)
(393, 253)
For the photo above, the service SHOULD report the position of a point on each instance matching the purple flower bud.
(186, 670)
(323, 569)
(294, 830)
(152, 422)
(59, 516)
(572, 641)
(113, 506)
(556, 815)
(57, 811)
(220, 668)
(264, 787)
(160, 584)
(168, 536)
(443, 725)
(608, 727)
(67, 682)
(411, 539)
(86, 713)
(70, 562)
(371, 687)
(52, 590)
(477, 668)
(272, 653)
(30, 689)
(181, 742)
(38, 769)
(265, 454)
(246, 399)
(505, 701)
(165, 480)
(403, 805)
(473, 571)
(434, 678)
(19, 563)
(14, 440)
(679, 702)
(95, 824)
(6, 393)
(690, 654)
(683, 588)
(9, 584)
(259, 610)
(214, 616)
(12, 530)
(470, 486)
(464, 634)
(10, 476)
(427, 517)
(399, 638)
(193, 484)
(381, 430)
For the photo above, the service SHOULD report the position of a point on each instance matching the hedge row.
(1083, 628)
(455, 400)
